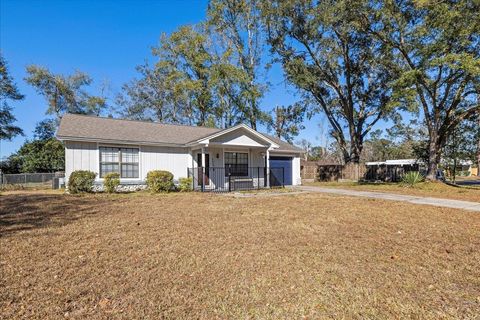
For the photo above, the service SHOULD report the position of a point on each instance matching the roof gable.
(249, 136)
(239, 138)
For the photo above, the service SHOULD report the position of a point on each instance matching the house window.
(121, 160)
(236, 164)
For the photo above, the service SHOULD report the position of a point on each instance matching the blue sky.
(105, 39)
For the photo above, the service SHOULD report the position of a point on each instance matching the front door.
(206, 179)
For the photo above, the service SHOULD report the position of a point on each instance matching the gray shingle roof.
(79, 127)
(284, 146)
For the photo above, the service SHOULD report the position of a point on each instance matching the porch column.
(267, 174)
(190, 154)
(203, 168)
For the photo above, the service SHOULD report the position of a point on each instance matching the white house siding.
(296, 178)
(85, 156)
(80, 156)
(175, 160)
(257, 159)
(214, 161)
(238, 138)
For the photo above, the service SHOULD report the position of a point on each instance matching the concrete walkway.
(447, 203)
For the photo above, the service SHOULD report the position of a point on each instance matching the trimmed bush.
(111, 181)
(81, 181)
(185, 184)
(160, 181)
(412, 178)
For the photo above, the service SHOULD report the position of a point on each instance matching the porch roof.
(266, 142)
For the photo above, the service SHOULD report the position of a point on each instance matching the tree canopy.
(45, 129)
(182, 85)
(8, 91)
(287, 121)
(238, 24)
(436, 48)
(65, 94)
(341, 69)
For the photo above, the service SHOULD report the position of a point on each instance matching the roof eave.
(117, 141)
(287, 151)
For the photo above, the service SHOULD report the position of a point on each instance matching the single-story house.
(217, 159)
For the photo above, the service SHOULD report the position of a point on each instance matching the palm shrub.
(185, 184)
(412, 178)
(160, 181)
(81, 181)
(111, 181)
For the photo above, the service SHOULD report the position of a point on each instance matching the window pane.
(239, 170)
(108, 154)
(129, 170)
(242, 158)
(107, 168)
(127, 165)
(236, 164)
(129, 155)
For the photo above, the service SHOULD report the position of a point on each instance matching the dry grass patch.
(424, 189)
(184, 256)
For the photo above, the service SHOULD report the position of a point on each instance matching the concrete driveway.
(437, 202)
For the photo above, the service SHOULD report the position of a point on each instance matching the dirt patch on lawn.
(184, 256)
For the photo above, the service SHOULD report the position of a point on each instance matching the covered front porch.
(233, 169)
(233, 160)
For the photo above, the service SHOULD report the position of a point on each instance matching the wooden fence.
(318, 171)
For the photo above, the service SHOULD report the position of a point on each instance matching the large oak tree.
(345, 71)
(436, 47)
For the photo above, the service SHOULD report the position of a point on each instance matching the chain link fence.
(31, 180)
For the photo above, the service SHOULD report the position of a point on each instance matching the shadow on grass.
(20, 212)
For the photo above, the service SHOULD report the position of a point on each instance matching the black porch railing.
(224, 179)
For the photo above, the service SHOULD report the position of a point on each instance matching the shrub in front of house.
(185, 184)
(111, 181)
(81, 181)
(160, 181)
(412, 178)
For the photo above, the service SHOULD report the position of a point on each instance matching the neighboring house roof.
(92, 128)
(396, 162)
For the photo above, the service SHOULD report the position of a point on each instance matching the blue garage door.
(280, 171)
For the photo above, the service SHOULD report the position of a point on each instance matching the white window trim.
(140, 178)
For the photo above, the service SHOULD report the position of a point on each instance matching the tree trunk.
(356, 149)
(253, 124)
(478, 147)
(434, 155)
